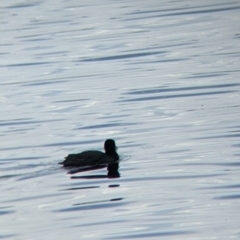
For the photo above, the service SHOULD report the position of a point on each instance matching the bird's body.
(89, 158)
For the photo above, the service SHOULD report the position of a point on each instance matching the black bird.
(94, 158)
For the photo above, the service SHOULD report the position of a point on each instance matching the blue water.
(162, 78)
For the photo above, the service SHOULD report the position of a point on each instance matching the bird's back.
(87, 158)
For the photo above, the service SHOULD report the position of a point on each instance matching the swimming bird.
(93, 158)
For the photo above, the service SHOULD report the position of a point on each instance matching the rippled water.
(162, 78)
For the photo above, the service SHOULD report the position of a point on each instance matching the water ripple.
(177, 96)
(228, 197)
(153, 234)
(94, 205)
(164, 89)
(182, 13)
(119, 57)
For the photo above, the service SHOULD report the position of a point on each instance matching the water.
(159, 77)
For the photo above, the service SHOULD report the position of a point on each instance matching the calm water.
(162, 78)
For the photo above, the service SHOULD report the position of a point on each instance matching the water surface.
(162, 79)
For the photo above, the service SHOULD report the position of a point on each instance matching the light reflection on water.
(161, 79)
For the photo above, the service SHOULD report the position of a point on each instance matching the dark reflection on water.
(4, 212)
(23, 5)
(109, 175)
(235, 196)
(222, 187)
(35, 174)
(13, 123)
(73, 170)
(209, 75)
(23, 166)
(5, 177)
(178, 8)
(220, 136)
(202, 11)
(158, 61)
(79, 143)
(90, 177)
(153, 234)
(111, 200)
(125, 56)
(182, 13)
(108, 223)
(176, 96)
(26, 64)
(94, 205)
(114, 185)
(211, 164)
(236, 145)
(39, 196)
(41, 83)
(11, 236)
(23, 158)
(165, 89)
(157, 46)
(81, 188)
(106, 125)
(111, 168)
(71, 100)
(57, 144)
(155, 178)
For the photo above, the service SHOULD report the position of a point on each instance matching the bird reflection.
(113, 170)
